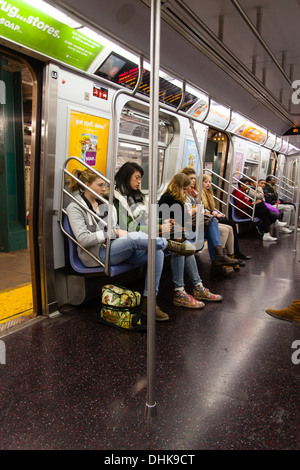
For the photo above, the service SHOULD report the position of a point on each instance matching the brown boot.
(221, 259)
(236, 267)
(159, 314)
(291, 313)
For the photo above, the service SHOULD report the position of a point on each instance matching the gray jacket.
(90, 233)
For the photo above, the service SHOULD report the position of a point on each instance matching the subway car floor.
(225, 377)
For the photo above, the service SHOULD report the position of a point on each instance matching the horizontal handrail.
(241, 210)
(230, 193)
(78, 244)
(96, 216)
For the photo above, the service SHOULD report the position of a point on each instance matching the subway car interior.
(210, 86)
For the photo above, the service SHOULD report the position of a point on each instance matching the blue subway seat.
(236, 218)
(79, 267)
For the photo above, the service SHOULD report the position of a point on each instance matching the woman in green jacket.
(132, 214)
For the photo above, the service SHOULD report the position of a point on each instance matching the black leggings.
(266, 218)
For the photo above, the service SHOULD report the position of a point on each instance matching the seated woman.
(272, 208)
(174, 199)
(286, 210)
(91, 234)
(229, 240)
(244, 203)
(214, 232)
(132, 214)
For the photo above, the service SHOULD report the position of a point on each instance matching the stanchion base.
(150, 411)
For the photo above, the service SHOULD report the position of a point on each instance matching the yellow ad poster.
(88, 140)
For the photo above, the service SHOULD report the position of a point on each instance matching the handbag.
(207, 221)
(121, 308)
(272, 208)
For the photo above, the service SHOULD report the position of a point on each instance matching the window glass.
(137, 125)
(131, 152)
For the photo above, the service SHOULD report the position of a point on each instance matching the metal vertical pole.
(230, 180)
(150, 408)
(280, 178)
(297, 207)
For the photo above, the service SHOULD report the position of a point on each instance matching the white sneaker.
(292, 228)
(285, 230)
(280, 224)
(267, 237)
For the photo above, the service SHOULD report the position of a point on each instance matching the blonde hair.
(188, 170)
(208, 195)
(85, 176)
(177, 185)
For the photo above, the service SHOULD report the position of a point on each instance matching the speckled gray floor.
(224, 374)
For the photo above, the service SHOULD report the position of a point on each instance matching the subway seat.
(79, 267)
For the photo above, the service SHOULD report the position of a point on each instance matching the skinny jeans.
(133, 248)
(181, 263)
(213, 237)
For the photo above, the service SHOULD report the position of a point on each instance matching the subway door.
(216, 162)
(18, 289)
(13, 233)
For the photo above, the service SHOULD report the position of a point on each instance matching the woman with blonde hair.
(173, 202)
(226, 228)
(227, 236)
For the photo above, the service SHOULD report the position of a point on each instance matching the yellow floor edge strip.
(16, 302)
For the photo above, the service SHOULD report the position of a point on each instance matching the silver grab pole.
(231, 140)
(150, 407)
(280, 178)
(297, 209)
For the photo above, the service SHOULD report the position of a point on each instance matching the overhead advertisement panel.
(30, 27)
(218, 116)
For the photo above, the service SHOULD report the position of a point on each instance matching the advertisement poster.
(218, 116)
(191, 157)
(238, 164)
(252, 153)
(31, 27)
(249, 132)
(200, 110)
(88, 140)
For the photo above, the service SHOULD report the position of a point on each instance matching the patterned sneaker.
(182, 299)
(203, 293)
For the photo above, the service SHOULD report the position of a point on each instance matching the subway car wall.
(76, 112)
(77, 121)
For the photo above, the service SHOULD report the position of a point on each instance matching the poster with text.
(88, 140)
(31, 27)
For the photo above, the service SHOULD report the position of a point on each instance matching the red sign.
(100, 92)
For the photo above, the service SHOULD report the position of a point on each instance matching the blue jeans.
(178, 263)
(212, 235)
(133, 248)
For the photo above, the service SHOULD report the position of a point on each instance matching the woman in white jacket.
(92, 234)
